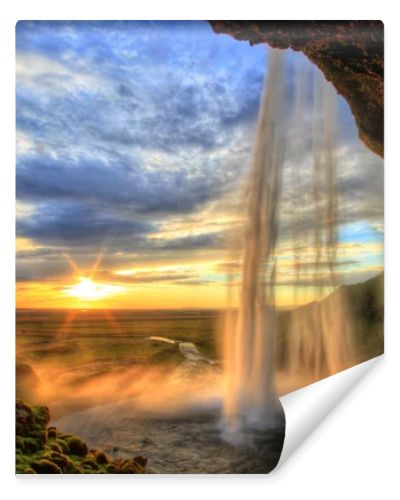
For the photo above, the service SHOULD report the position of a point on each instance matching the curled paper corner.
(306, 408)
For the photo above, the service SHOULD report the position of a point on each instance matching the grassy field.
(82, 355)
(61, 354)
(51, 338)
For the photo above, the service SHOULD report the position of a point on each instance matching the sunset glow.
(139, 204)
(86, 289)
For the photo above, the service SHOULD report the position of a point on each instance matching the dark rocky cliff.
(349, 53)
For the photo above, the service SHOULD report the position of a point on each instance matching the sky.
(134, 144)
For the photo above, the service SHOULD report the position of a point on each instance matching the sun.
(87, 289)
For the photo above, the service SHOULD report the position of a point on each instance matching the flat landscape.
(75, 359)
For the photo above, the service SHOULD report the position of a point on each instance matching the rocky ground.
(45, 450)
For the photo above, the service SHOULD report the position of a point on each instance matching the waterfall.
(250, 335)
(318, 334)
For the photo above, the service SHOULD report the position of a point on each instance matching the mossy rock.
(63, 445)
(88, 470)
(31, 422)
(65, 436)
(22, 462)
(72, 468)
(52, 433)
(42, 415)
(89, 462)
(23, 418)
(56, 447)
(32, 445)
(29, 470)
(40, 435)
(44, 466)
(42, 450)
(101, 457)
(59, 459)
(19, 442)
(76, 446)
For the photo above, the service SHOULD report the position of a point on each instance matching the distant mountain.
(343, 329)
(366, 301)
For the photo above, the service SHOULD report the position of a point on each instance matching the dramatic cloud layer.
(134, 139)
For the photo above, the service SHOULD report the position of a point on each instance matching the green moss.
(72, 468)
(32, 445)
(101, 457)
(59, 459)
(47, 451)
(56, 447)
(51, 433)
(76, 446)
(23, 418)
(23, 462)
(40, 435)
(44, 466)
(89, 462)
(29, 470)
(63, 445)
(19, 443)
(41, 415)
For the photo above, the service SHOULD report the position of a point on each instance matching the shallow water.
(179, 433)
(183, 444)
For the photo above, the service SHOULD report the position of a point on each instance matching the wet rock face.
(349, 53)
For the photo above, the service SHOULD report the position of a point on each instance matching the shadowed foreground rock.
(45, 450)
(349, 53)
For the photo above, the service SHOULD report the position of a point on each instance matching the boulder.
(101, 457)
(44, 466)
(76, 446)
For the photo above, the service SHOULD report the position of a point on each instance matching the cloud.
(154, 86)
(143, 277)
(80, 224)
(122, 184)
(212, 239)
(137, 137)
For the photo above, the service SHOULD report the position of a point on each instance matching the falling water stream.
(320, 334)
(318, 337)
(249, 344)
